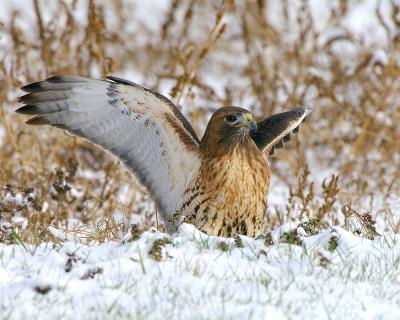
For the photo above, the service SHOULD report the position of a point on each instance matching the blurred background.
(341, 58)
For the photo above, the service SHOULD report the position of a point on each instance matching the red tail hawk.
(219, 184)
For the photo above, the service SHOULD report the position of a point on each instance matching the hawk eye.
(230, 119)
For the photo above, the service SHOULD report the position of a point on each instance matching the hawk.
(219, 183)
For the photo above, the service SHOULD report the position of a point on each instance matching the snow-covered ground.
(332, 275)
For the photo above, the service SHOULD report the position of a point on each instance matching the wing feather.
(142, 128)
(274, 130)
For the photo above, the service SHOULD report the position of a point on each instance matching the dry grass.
(353, 132)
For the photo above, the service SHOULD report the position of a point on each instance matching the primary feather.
(272, 130)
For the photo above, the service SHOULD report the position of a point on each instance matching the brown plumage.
(219, 184)
(228, 196)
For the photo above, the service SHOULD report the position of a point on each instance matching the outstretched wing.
(274, 130)
(140, 127)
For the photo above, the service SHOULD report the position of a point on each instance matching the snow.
(195, 279)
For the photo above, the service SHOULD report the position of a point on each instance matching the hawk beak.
(247, 121)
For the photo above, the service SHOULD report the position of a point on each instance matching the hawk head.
(227, 128)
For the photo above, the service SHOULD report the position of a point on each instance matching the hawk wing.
(141, 128)
(274, 130)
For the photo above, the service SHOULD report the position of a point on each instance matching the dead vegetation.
(207, 54)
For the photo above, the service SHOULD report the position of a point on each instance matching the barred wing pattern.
(274, 130)
(141, 128)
